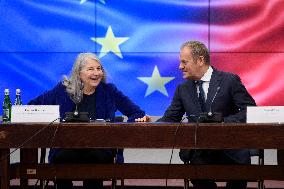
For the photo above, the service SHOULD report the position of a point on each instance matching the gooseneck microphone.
(76, 112)
(210, 107)
(211, 117)
(76, 116)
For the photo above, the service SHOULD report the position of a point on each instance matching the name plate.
(34, 113)
(265, 114)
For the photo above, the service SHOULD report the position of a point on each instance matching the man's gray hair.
(197, 49)
(74, 85)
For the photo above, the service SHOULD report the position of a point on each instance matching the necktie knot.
(199, 83)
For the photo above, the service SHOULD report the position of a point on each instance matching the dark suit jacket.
(231, 100)
(108, 100)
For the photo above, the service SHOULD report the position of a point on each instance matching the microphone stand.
(211, 117)
(76, 116)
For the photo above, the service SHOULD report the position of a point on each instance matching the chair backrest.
(119, 152)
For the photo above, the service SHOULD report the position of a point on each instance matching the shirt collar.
(207, 76)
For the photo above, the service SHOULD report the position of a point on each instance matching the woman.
(87, 88)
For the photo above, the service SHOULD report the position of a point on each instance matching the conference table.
(31, 136)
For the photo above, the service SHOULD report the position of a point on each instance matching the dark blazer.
(231, 100)
(108, 100)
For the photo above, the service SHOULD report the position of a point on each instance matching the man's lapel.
(192, 91)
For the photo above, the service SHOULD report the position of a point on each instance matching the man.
(208, 89)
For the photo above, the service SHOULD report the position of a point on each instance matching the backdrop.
(138, 43)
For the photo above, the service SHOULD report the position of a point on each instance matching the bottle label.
(6, 115)
(18, 101)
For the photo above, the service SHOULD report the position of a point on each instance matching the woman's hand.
(146, 118)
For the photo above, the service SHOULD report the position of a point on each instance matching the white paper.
(265, 114)
(34, 113)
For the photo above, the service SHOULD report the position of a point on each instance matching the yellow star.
(110, 43)
(156, 82)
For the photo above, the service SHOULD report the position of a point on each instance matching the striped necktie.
(201, 95)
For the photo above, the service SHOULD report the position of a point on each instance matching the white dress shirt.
(206, 78)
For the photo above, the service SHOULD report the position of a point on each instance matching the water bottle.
(7, 107)
(18, 100)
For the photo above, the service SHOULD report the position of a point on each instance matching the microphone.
(210, 108)
(211, 117)
(76, 112)
(76, 116)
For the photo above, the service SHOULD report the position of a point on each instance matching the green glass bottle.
(18, 99)
(7, 107)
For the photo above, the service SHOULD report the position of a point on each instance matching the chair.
(184, 155)
(114, 180)
(253, 152)
(260, 154)
(115, 153)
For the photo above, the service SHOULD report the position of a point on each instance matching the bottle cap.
(18, 91)
(6, 91)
